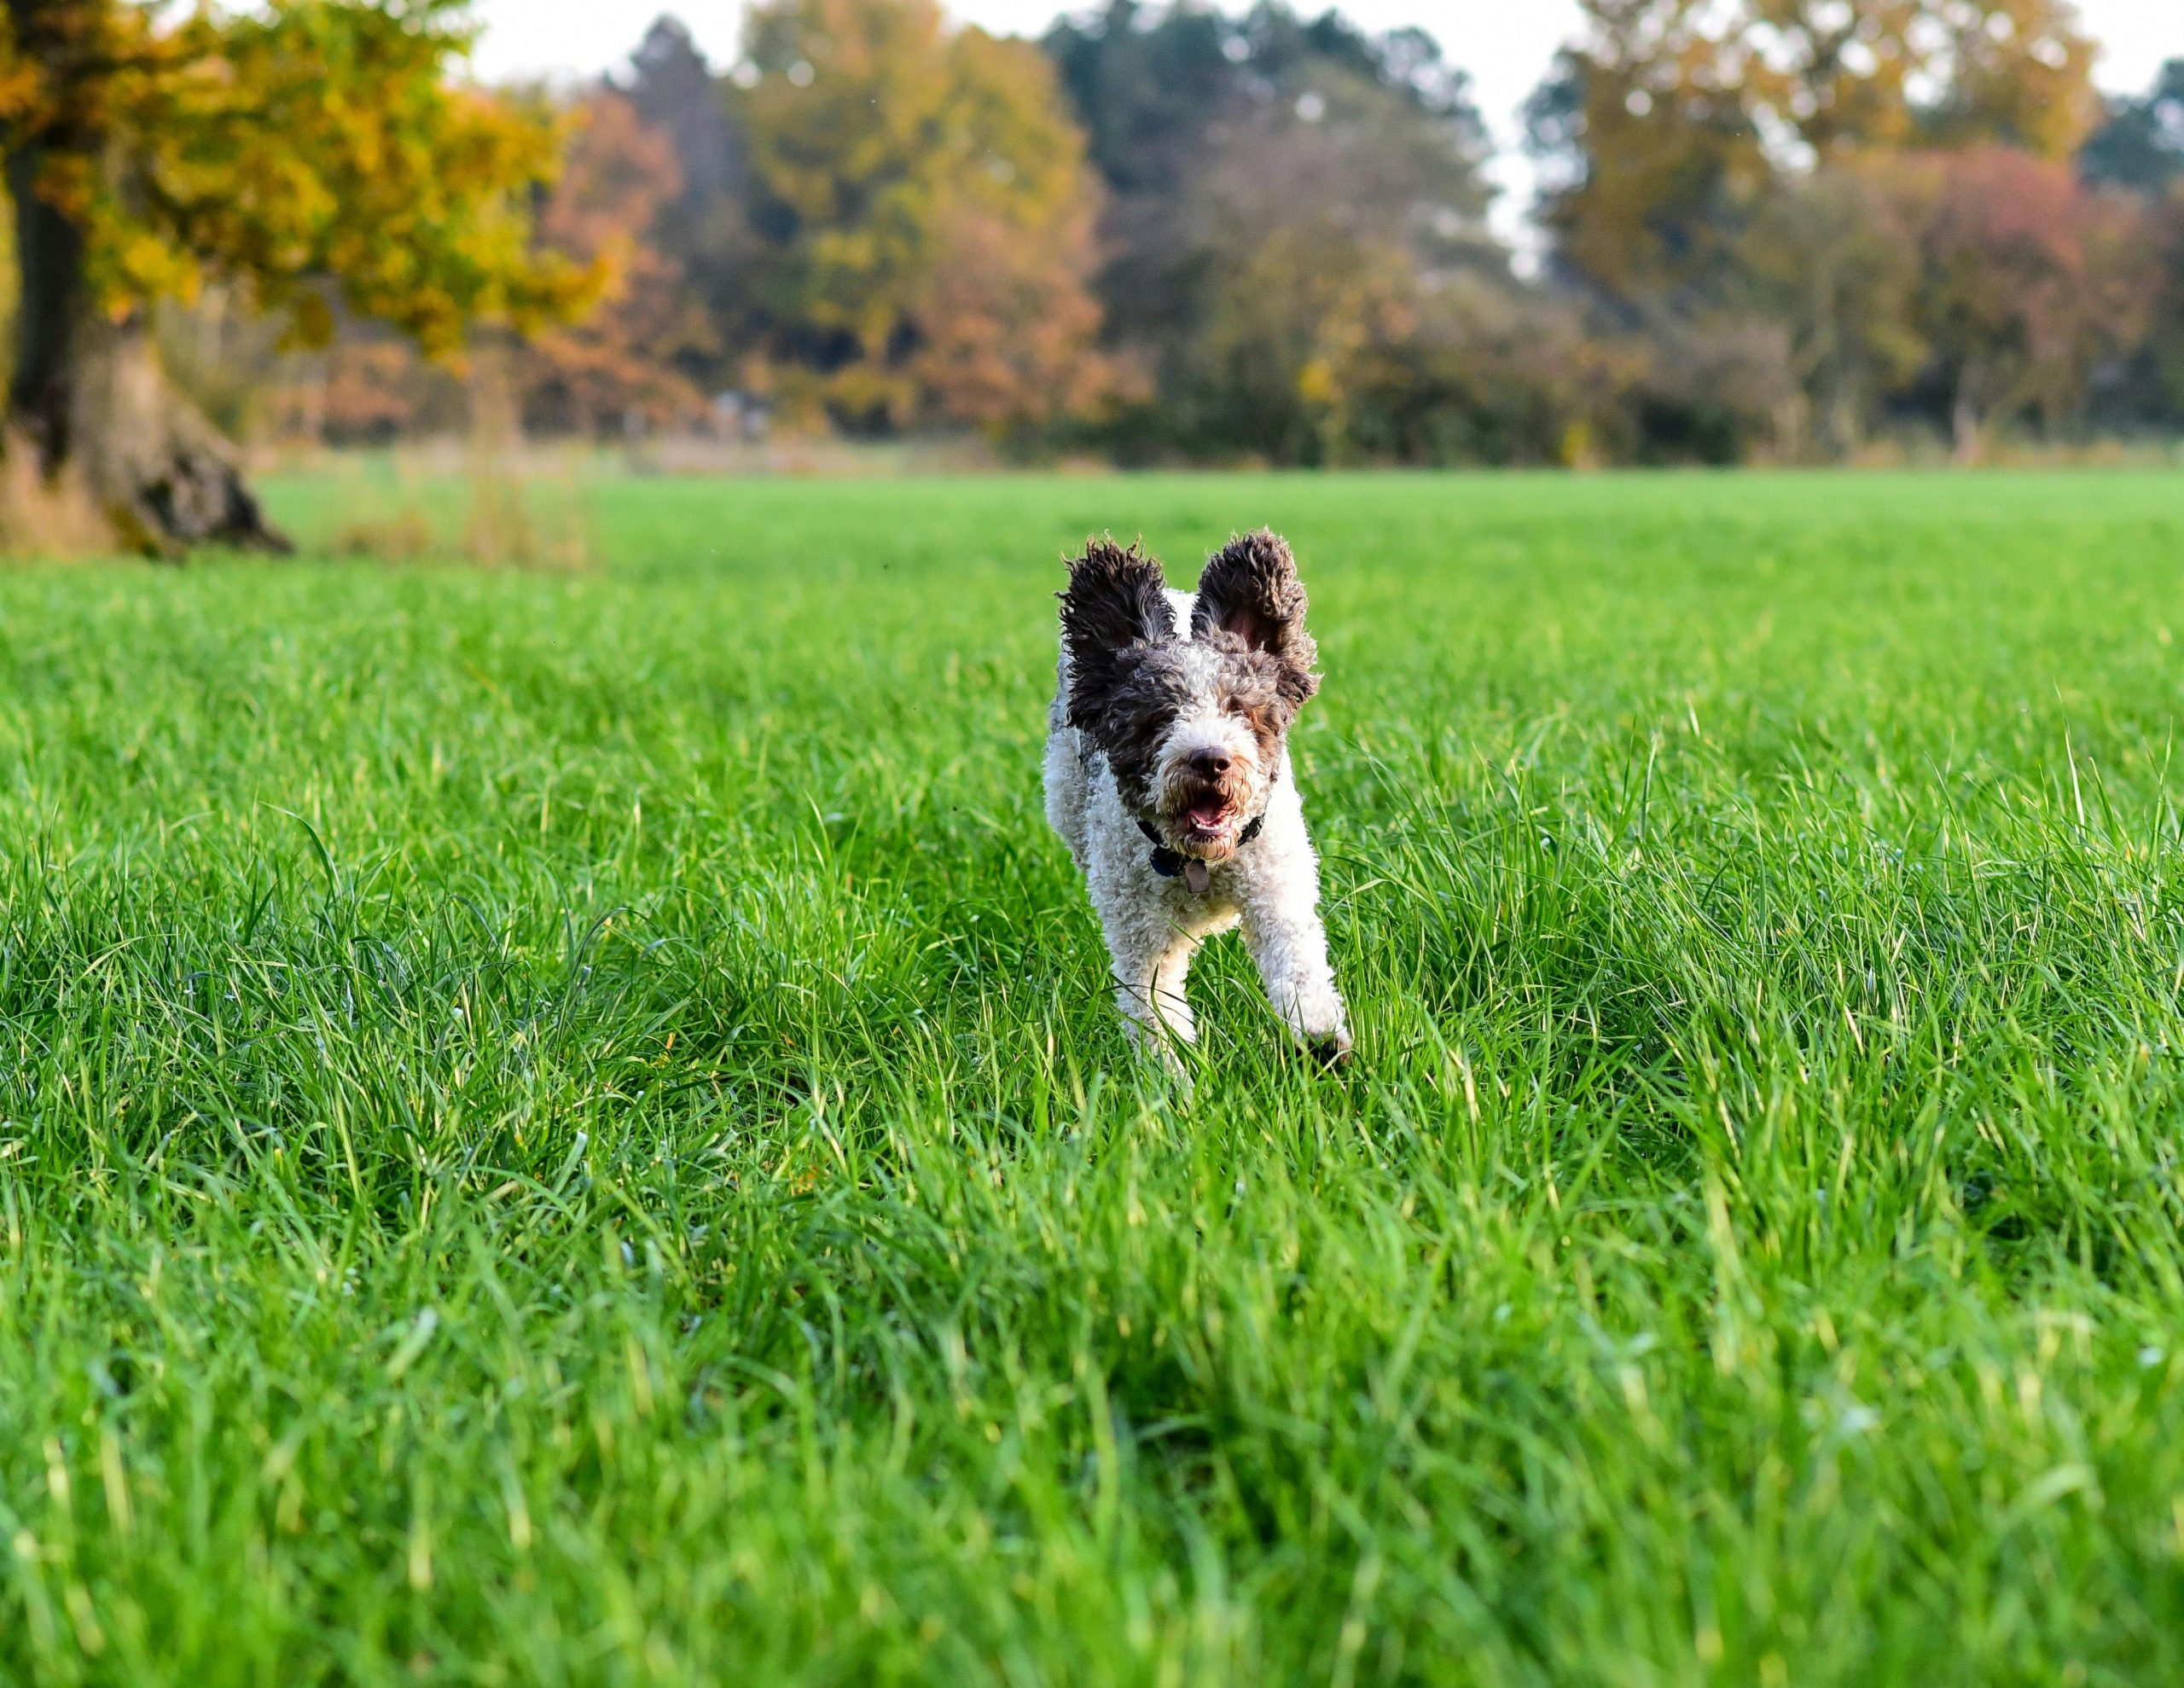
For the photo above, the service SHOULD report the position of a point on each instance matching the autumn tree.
(2014, 73)
(309, 153)
(634, 358)
(925, 219)
(1832, 258)
(1651, 152)
(1668, 122)
(2027, 278)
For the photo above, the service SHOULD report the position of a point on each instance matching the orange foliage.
(2026, 278)
(1007, 329)
(619, 365)
(930, 214)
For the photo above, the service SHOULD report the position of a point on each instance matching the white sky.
(1507, 45)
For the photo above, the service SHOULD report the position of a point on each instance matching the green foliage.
(2141, 145)
(292, 147)
(1289, 197)
(570, 1128)
(1152, 84)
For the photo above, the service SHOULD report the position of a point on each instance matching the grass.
(567, 1128)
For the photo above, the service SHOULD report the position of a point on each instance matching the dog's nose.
(1209, 764)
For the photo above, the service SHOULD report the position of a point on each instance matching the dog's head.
(1191, 724)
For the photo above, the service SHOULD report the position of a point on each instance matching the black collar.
(1169, 863)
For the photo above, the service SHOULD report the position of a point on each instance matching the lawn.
(568, 1127)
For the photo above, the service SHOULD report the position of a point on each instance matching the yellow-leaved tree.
(1668, 120)
(314, 153)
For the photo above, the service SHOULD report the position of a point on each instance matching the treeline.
(1774, 229)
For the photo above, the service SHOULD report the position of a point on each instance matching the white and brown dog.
(1168, 774)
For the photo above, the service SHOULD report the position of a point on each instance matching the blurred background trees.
(1287, 200)
(1885, 185)
(1769, 229)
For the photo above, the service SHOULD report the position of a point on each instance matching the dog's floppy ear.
(1116, 596)
(1117, 599)
(1250, 594)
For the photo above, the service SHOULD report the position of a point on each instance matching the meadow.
(567, 1127)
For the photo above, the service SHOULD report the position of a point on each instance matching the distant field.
(569, 1127)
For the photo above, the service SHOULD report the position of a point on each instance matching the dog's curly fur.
(1168, 775)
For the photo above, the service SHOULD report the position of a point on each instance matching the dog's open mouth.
(1208, 818)
(1205, 825)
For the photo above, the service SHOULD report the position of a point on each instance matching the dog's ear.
(1250, 595)
(1117, 598)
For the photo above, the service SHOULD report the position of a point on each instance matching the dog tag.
(1197, 877)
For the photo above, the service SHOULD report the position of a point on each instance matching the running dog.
(1168, 775)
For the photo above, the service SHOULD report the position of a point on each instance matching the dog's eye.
(1232, 705)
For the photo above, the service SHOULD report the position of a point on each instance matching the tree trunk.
(1964, 423)
(90, 398)
(1845, 434)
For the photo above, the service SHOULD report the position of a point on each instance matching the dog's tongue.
(1198, 876)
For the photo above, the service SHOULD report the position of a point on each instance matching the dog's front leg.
(1289, 942)
(1152, 960)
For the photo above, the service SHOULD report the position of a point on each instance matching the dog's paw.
(1331, 1050)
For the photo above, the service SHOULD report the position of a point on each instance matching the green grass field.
(570, 1128)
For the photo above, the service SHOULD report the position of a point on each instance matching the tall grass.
(567, 1127)
(44, 516)
(494, 510)
(506, 506)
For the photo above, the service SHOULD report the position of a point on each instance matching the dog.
(1168, 775)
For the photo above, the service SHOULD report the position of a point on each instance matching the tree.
(1006, 337)
(925, 219)
(2140, 145)
(2019, 73)
(2139, 149)
(1669, 121)
(310, 152)
(1652, 151)
(1312, 232)
(706, 234)
(673, 91)
(1830, 258)
(1283, 193)
(2026, 279)
(2164, 355)
(1145, 87)
(634, 360)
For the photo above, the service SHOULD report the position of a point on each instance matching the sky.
(1507, 45)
